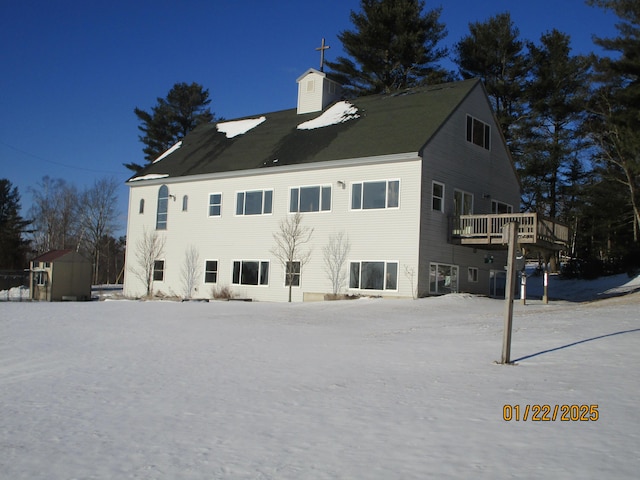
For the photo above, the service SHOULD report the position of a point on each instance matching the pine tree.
(556, 97)
(493, 52)
(615, 108)
(184, 108)
(13, 245)
(393, 46)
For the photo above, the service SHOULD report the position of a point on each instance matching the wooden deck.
(487, 231)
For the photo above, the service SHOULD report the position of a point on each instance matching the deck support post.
(510, 286)
(545, 291)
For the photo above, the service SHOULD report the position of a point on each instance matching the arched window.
(185, 203)
(163, 204)
(141, 210)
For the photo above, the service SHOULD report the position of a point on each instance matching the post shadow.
(526, 357)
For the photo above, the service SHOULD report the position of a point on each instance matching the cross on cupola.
(322, 48)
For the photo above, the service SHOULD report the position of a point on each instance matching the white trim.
(298, 167)
(437, 264)
(263, 190)
(204, 275)
(386, 196)
(470, 278)
(319, 185)
(209, 205)
(384, 279)
(299, 276)
(442, 198)
(259, 262)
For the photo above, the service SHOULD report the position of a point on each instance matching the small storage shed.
(60, 275)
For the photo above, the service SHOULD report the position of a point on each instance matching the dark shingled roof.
(387, 124)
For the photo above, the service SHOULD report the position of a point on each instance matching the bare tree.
(55, 215)
(335, 255)
(410, 273)
(98, 218)
(290, 238)
(148, 249)
(191, 270)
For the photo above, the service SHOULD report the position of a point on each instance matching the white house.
(388, 171)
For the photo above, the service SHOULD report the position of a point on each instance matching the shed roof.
(401, 122)
(52, 255)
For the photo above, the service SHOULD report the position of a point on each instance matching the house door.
(498, 282)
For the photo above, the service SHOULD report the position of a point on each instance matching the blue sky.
(73, 71)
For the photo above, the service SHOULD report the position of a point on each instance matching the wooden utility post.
(512, 237)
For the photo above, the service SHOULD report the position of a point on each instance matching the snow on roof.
(338, 113)
(239, 127)
(150, 176)
(169, 152)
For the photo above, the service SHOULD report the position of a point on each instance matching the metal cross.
(322, 48)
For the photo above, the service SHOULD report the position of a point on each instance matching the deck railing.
(489, 229)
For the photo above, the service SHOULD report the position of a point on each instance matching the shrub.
(222, 292)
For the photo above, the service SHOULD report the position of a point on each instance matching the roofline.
(452, 112)
(310, 70)
(298, 167)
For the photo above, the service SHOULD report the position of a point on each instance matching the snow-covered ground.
(360, 389)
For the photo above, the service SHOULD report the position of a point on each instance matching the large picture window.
(250, 272)
(373, 275)
(373, 195)
(163, 206)
(443, 278)
(257, 202)
(310, 199)
(478, 132)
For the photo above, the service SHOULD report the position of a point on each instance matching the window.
(185, 203)
(257, 202)
(310, 199)
(158, 270)
(40, 278)
(292, 275)
(370, 195)
(163, 205)
(250, 273)
(462, 203)
(437, 197)
(478, 132)
(499, 207)
(472, 274)
(215, 204)
(373, 275)
(211, 271)
(141, 208)
(443, 278)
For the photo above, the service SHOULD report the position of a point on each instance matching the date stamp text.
(550, 413)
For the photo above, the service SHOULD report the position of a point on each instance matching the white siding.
(458, 164)
(376, 235)
(316, 91)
